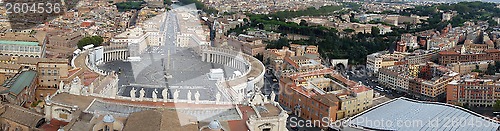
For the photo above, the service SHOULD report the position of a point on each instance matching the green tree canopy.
(303, 23)
(496, 106)
(129, 5)
(95, 40)
(491, 70)
(375, 31)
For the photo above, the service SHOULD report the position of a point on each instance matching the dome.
(214, 125)
(108, 119)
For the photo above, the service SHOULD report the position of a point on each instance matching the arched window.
(5, 127)
(106, 128)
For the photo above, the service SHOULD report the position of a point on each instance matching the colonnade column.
(226, 60)
(211, 58)
(202, 56)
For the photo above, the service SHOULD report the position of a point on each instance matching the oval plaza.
(160, 65)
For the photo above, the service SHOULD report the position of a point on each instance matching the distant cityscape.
(249, 65)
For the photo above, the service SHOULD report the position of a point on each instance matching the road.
(359, 75)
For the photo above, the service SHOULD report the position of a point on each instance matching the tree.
(261, 26)
(490, 70)
(375, 31)
(259, 57)
(497, 65)
(348, 31)
(268, 61)
(477, 69)
(303, 23)
(465, 105)
(496, 106)
(129, 5)
(95, 40)
(167, 2)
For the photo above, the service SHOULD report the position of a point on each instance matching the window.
(106, 128)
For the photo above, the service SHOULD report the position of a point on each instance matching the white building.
(139, 38)
(191, 33)
(96, 56)
(135, 39)
(21, 48)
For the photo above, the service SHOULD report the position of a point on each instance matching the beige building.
(391, 78)
(359, 100)
(275, 57)
(17, 118)
(50, 73)
(376, 61)
(9, 68)
(62, 38)
(425, 81)
(419, 56)
(253, 48)
(467, 67)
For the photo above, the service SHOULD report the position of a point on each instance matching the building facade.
(316, 96)
(20, 89)
(448, 57)
(425, 81)
(473, 92)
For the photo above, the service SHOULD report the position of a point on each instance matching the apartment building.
(358, 100)
(394, 78)
(275, 56)
(420, 56)
(253, 48)
(473, 91)
(425, 81)
(49, 71)
(378, 60)
(467, 67)
(299, 64)
(448, 57)
(305, 103)
(312, 96)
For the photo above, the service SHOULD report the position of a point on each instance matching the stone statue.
(189, 96)
(273, 96)
(61, 85)
(164, 93)
(176, 95)
(197, 97)
(141, 94)
(132, 94)
(155, 97)
(217, 97)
